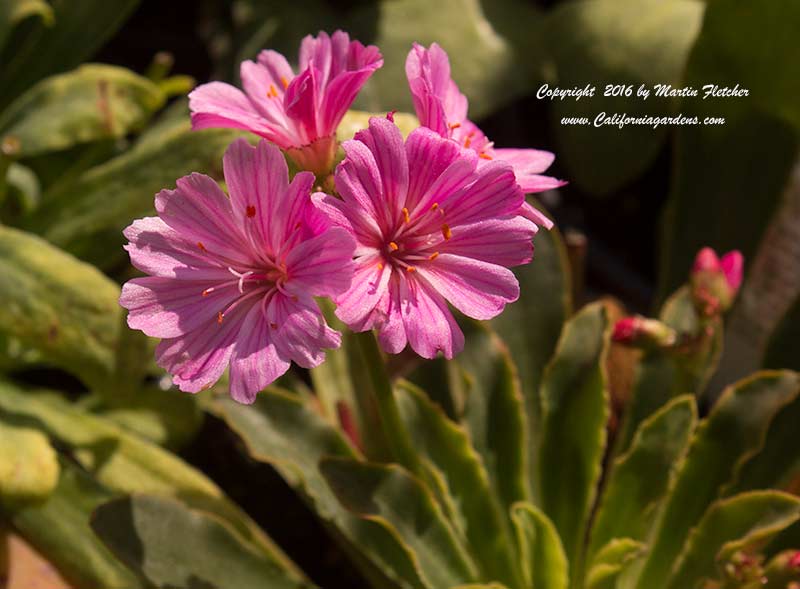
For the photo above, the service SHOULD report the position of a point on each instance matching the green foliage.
(141, 530)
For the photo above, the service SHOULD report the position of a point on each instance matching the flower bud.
(643, 332)
(714, 282)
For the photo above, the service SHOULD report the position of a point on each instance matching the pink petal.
(437, 100)
(266, 95)
(322, 265)
(494, 193)
(255, 362)
(370, 280)
(385, 141)
(429, 324)
(165, 307)
(301, 102)
(525, 161)
(300, 331)
(530, 212)
(349, 217)
(478, 289)
(429, 155)
(157, 249)
(220, 105)
(732, 265)
(391, 329)
(198, 360)
(358, 180)
(201, 214)
(277, 67)
(505, 242)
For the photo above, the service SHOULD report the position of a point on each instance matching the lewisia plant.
(410, 228)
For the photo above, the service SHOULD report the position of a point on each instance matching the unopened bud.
(715, 282)
(643, 332)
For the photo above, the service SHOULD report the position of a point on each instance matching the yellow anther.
(406, 216)
(219, 317)
(380, 265)
(484, 156)
(454, 125)
(410, 269)
(467, 141)
(434, 206)
(200, 246)
(273, 92)
(393, 246)
(207, 291)
(285, 82)
(433, 256)
(446, 233)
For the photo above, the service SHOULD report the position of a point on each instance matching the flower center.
(416, 239)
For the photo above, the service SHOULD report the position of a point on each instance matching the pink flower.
(432, 227)
(441, 107)
(298, 113)
(232, 280)
(715, 282)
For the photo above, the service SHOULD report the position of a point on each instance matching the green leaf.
(610, 561)
(125, 462)
(28, 466)
(781, 350)
(640, 478)
(390, 497)
(715, 165)
(447, 446)
(59, 528)
(58, 305)
(609, 43)
(494, 412)
(78, 30)
(777, 464)
(730, 525)
(81, 217)
(734, 430)
(281, 430)
(541, 553)
(532, 325)
(12, 12)
(574, 411)
(180, 548)
(91, 103)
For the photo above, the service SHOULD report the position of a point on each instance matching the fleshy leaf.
(59, 528)
(447, 446)
(281, 430)
(91, 103)
(173, 546)
(531, 326)
(541, 553)
(734, 430)
(65, 309)
(610, 561)
(28, 466)
(640, 478)
(574, 415)
(740, 522)
(389, 496)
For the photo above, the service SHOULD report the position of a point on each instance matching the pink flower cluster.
(413, 226)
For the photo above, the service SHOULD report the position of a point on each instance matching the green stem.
(393, 429)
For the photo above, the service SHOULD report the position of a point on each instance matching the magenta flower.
(298, 113)
(432, 227)
(232, 280)
(715, 282)
(441, 107)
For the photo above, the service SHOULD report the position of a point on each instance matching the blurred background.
(639, 204)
